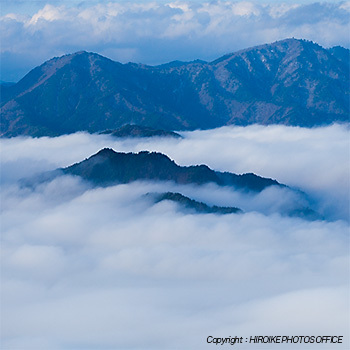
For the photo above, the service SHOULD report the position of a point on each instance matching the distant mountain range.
(291, 82)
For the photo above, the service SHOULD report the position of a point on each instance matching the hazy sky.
(154, 32)
(30, 7)
(103, 268)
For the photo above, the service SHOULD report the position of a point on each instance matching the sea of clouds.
(95, 268)
(155, 32)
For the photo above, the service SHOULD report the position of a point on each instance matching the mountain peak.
(285, 46)
(106, 152)
(82, 52)
(76, 58)
(108, 167)
(74, 54)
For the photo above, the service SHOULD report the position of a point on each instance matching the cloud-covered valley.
(87, 268)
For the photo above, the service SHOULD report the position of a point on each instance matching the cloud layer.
(102, 268)
(313, 160)
(158, 32)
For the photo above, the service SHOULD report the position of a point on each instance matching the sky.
(155, 32)
(87, 268)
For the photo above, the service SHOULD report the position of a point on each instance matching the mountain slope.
(191, 204)
(292, 82)
(108, 167)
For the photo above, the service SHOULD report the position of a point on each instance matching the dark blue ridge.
(108, 167)
(191, 204)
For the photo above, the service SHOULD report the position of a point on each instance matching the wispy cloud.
(157, 32)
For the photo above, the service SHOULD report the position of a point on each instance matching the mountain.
(139, 131)
(291, 82)
(191, 204)
(5, 90)
(108, 167)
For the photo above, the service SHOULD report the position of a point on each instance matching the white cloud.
(245, 9)
(319, 157)
(49, 13)
(158, 32)
(279, 10)
(93, 268)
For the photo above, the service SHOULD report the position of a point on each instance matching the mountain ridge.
(192, 205)
(291, 82)
(108, 167)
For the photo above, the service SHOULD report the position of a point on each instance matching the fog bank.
(86, 268)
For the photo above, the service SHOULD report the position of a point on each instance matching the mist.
(87, 268)
(315, 161)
